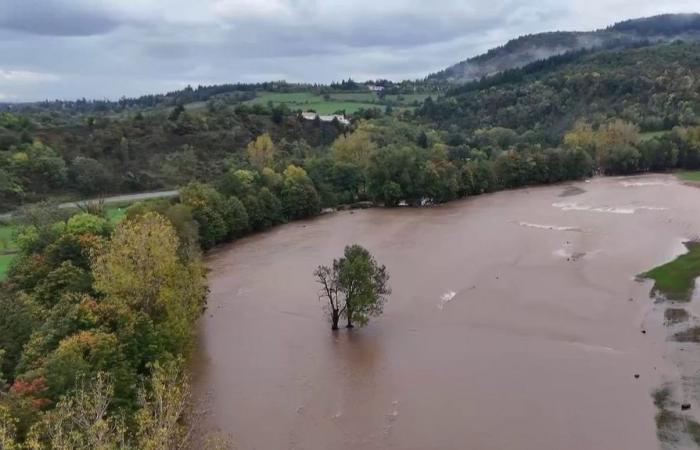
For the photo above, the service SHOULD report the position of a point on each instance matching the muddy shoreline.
(516, 322)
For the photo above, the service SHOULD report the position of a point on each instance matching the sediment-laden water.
(515, 322)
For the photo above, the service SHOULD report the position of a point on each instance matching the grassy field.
(367, 97)
(676, 280)
(115, 212)
(348, 102)
(408, 99)
(6, 242)
(689, 176)
(296, 98)
(649, 135)
(351, 102)
(4, 264)
(7, 247)
(330, 107)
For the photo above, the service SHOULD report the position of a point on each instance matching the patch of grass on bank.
(5, 261)
(676, 280)
(689, 176)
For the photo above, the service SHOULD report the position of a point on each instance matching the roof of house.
(326, 118)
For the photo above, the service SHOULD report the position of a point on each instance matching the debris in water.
(570, 256)
(571, 190)
(395, 413)
(644, 331)
(577, 255)
(685, 406)
(636, 375)
(445, 298)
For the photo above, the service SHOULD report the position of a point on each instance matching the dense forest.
(653, 86)
(88, 299)
(527, 110)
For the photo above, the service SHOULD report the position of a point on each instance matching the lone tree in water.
(355, 286)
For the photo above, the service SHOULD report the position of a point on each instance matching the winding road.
(112, 199)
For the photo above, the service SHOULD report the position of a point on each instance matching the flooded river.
(515, 322)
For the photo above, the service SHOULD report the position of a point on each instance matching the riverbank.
(548, 342)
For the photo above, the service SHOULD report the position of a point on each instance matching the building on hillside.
(375, 88)
(312, 116)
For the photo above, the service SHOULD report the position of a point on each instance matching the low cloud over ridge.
(110, 48)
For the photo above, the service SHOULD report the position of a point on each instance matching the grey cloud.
(55, 18)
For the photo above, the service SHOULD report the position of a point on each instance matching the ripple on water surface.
(570, 206)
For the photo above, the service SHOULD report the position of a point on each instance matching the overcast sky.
(109, 48)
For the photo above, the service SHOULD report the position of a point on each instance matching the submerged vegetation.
(675, 280)
(673, 316)
(354, 287)
(673, 426)
(693, 176)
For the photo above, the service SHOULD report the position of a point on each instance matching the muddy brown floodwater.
(515, 322)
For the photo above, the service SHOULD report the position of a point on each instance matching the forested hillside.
(138, 152)
(526, 49)
(53, 154)
(655, 87)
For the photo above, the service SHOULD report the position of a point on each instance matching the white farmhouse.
(312, 116)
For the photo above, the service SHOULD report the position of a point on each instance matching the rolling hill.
(529, 48)
(653, 86)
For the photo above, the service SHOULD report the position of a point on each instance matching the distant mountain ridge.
(533, 47)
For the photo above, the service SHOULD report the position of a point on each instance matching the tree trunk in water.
(335, 317)
(349, 325)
